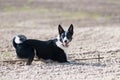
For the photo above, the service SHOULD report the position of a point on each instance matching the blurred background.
(81, 13)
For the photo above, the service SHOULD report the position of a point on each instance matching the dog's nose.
(65, 41)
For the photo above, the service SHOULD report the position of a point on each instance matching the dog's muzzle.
(65, 44)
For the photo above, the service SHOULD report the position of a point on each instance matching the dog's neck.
(59, 43)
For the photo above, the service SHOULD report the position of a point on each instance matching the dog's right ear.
(60, 29)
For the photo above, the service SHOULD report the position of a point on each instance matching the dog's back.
(47, 50)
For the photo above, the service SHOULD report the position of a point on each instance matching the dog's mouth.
(65, 44)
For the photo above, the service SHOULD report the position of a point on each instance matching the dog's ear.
(60, 29)
(70, 29)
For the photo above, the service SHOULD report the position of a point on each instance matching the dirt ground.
(96, 32)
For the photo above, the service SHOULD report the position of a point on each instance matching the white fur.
(66, 33)
(65, 38)
(58, 42)
(17, 40)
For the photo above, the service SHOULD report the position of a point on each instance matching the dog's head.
(65, 37)
(19, 39)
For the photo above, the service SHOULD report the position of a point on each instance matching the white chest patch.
(59, 44)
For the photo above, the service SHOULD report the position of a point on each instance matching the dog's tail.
(18, 39)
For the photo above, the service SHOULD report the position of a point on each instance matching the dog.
(23, 50)
(52, 49)
(46, 50)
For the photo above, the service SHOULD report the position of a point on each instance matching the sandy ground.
(96, 32)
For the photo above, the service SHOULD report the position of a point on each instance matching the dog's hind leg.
(29, 61)
(30, 58)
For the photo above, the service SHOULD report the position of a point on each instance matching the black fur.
(23, 50)
(62, 32)
(47, 50)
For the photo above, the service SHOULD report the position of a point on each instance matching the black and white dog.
(50, 49)
(23, 50)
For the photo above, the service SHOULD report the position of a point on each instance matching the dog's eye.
(69, 36)
(63, 35)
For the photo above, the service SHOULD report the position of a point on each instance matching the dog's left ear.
(70, 29)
